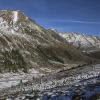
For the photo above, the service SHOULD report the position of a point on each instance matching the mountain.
(88, 44)
(57, 64)
(25, 45)
(82, 41)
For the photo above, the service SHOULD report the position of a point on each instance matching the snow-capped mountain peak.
(82, 41)
(16, 21)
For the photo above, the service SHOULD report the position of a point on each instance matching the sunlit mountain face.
(44, 64)
(50, 50)
(26, 45)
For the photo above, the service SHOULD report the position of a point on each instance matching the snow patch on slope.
(15, 16)
(12, 79)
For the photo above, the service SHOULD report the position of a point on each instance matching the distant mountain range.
(88, 44)
(82, 41)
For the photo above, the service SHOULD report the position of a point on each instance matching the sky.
(64, 15)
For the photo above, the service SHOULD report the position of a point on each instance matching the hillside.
(82, 41)
(24, 45)
(88, 44)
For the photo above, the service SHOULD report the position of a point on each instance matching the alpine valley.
(43, 64)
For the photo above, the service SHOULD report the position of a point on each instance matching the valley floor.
(51, 85)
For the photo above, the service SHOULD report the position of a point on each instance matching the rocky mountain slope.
(82, 41)
(24, 45)
(88, 44)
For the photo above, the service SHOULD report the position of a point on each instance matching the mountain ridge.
(83, 40)
(37, 47)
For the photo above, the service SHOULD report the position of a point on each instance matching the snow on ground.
(8, 84)
(15, 16)
(12, 79)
